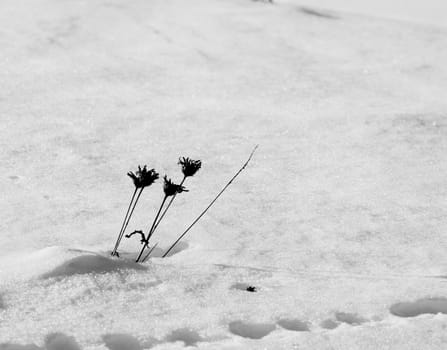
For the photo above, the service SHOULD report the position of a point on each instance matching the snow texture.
(338, 223)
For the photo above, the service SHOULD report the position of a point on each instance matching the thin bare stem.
(124, 222)
(212, 202)
(150, 251)
(166, 209)
(131, 212)
(150, 230)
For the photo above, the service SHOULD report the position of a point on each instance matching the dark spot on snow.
(251, 330)
(9, 346)
(317, 13)
(121, 342)
(2, 304)
(349, 318)
(187, 336)
(60, 341)
(244, 287)
(329, 324)
(91, 264)
(294, 325)
(14, 177)
(419, 307)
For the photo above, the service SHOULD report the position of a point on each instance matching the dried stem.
(131, 212)
(150, 251)
(212, 202)
(150, 230)
(166, 209)
(120, 235)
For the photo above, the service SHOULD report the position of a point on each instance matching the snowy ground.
(340, 216)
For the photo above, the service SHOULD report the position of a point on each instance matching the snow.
(338, 222)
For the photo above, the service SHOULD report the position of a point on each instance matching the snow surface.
(339, 221)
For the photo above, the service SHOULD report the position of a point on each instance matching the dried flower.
(189, 166)
(143, 177)
(171, 188)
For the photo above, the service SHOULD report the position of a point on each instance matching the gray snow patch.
(329, 324)
(91, 264)
(419, 307)
(317, 13)
(251, 330)
(8, 346)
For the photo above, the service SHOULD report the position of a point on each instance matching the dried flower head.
(171, 188)
(189, 166)
(143, 177)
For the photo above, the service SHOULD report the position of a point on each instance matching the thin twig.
(131, 212)
(209, 206)
(166, 209)
(120, 235)
(150, 251)
(150, 230)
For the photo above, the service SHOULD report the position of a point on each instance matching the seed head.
(171, 188)
(143, 177)
(189, 166)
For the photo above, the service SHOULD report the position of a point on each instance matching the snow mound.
(90, 263)
(349, 318)
(419, 307)
(187, 336)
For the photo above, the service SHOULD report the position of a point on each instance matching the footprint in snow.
(419, 307)
(60, 341)
(251, 330)
(293, 325)
(121, 341)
